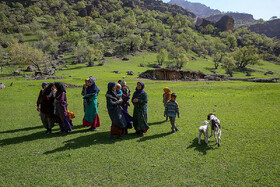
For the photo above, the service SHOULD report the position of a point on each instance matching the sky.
(264, 9)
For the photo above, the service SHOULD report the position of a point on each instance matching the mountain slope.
(198, 9)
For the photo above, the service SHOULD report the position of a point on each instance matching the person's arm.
(111, 102)
(177, 109)
(39, 100)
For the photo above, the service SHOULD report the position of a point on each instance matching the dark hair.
(173, 95)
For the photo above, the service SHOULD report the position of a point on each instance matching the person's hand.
(120, 100)
(38, 108)
(135, 100)
(54, 100)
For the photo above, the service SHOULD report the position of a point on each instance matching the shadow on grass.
(203, 148)
(145, 138)
(20, 130)
(98, 138)
(37, 135)
(158, 122)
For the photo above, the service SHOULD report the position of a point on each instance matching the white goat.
(216, 127)
(203, 130)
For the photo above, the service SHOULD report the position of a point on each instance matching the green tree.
(181, 60)
(25, 55)
(246, 56)
(162, 56)
(228, 63)
(217, 58)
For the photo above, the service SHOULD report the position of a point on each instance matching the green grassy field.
(248, 156)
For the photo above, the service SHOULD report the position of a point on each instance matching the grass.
(248, 156)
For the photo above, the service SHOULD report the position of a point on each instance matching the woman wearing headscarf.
(84, 91)
(140, 112)
(114, 109)
(61, 108)
(46, 108)
(125, 104)
(91, 117)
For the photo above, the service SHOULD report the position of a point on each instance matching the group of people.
(117, 99)
(52, 104)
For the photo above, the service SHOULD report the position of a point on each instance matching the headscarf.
(167, 93)
(110, 91)
(60, 88)
(93, 88)
(43, 84)
(137, 93)
(48, 89)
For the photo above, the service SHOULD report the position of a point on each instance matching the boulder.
(16, 72)
(125, 58)
(2, 85)
(30, 69)
(130, 72)
(108, 54)
(269, 73)
(117, 72)
(156, 66)
(5, 44)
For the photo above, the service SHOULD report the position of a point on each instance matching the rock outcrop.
(226, 23)
(173, 74)
(269, 28)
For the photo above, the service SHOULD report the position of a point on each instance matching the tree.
(26, 55)
(217, 59)
(246, 56)
(181, 60)
(228, 64)
(162, 55)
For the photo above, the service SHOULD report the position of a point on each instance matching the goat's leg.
(206, 137)
(211, 133)
(199, 136)
(219, 137)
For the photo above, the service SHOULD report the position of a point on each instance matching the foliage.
(162, 56)
(25, 55)
(245, 56)
(228, 63)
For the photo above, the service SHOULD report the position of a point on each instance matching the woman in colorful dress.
(140, 112)
(46, 108)
(115, 112)
(91, 118)
(61, 108)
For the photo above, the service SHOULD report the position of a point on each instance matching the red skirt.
(96, 122)
(115, 130)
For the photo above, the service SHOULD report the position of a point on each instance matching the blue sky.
(264, 9)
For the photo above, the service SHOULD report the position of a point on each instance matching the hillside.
(198, 9)
(89, 31)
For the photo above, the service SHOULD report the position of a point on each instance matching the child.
(166, 98)
(172, 108)
(119, 90)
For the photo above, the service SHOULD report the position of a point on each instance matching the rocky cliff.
(269, 28)
(239, 18)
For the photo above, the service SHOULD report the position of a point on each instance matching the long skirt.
(96, 122)
(48, 123)
(115, 130)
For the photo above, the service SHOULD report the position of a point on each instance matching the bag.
(71, 114)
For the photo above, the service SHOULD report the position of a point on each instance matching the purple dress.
(61, 112)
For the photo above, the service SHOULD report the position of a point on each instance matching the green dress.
(91, 117)
(140, 114)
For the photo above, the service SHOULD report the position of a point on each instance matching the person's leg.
(172, 121)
